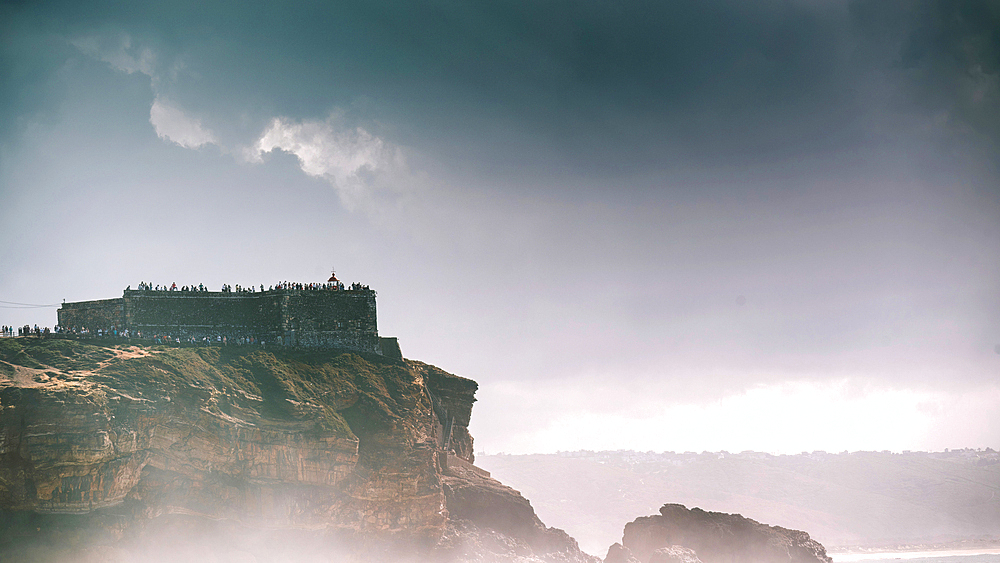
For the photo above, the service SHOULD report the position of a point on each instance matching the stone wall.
(92, 315)
(311, 318)
(389, 347)
(331, 319)
(204, 313)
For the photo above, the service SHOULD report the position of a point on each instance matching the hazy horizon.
(871, 500)
(686, 226)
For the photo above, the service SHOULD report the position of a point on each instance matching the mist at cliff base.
(661, 226)
(177, 538)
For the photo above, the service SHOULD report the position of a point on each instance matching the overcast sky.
(662, 226)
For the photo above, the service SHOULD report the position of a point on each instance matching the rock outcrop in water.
(682, 535)
(115, 450)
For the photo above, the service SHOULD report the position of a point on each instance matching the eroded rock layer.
(122, 445)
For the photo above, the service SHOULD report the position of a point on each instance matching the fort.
(301, 315)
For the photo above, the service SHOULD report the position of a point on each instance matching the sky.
(668, 226)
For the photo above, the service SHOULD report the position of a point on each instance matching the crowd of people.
(112, 332)
(125, 334)
(145, 286)
(217, 340)
(226, 288)
(328, 286)
(26, 330)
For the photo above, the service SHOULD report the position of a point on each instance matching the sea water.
(957, 556)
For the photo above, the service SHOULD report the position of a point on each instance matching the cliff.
(711, 537)
(114, 450)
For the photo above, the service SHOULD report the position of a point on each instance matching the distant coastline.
(874, 555)
(857, 503)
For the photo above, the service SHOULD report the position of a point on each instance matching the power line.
(16, 305)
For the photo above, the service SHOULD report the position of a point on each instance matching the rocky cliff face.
(679, 534)
(109, 450)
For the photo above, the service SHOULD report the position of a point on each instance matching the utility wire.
(16, 305)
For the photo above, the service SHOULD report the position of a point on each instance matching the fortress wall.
(332, 319)
(312, 318)
(101, 313)
(389, 347)
(349, 339)
(203, 313)
(331, 310)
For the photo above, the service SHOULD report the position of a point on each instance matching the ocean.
(956, 556)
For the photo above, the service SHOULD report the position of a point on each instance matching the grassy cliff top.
(270, 388)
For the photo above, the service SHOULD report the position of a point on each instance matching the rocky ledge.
(679, 535)
(112, 452)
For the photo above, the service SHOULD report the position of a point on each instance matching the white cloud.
(361, 166)
(169, 121)
(357, 163)
(172, 124)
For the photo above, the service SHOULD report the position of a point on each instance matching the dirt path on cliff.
(126, 354)
(26, 377)
(48, 376)
(130, 353)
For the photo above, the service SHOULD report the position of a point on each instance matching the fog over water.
(653, 226)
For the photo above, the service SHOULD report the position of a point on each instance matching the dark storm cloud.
(948, 56)
(597, 87)
(28, 61)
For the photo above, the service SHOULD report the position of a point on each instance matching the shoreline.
(848, 556)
